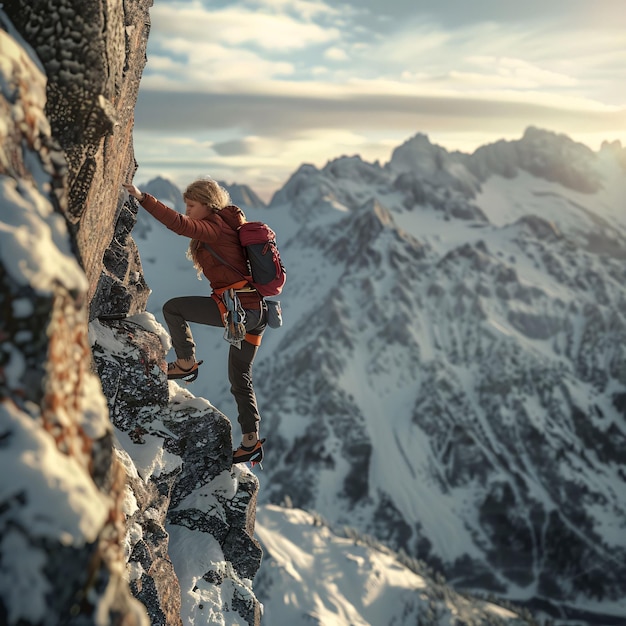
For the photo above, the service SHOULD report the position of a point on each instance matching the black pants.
(204, 310)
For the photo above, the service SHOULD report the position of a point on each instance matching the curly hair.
(205, 191)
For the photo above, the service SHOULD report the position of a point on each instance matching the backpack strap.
(248, 279)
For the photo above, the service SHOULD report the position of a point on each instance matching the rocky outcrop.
(184, 485)
(86, 528)
(61, 521)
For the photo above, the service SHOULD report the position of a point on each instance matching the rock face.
(93, 54)
(85, 528)
(61, 522)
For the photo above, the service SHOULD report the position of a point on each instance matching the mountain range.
(450, 379)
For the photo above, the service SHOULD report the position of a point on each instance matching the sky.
(247, 91)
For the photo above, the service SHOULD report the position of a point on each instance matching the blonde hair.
(205, 191)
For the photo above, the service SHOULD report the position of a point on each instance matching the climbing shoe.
(176, 372)
(252, 454)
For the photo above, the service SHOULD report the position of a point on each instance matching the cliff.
(85, 524)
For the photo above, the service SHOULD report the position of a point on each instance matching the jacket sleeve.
(207, 229)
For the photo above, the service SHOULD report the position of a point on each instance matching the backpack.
(267, 272)
(266, 268)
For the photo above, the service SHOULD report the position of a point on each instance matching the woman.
(211, 220)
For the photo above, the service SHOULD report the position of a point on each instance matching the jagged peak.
(614, 150)
(341, 186)
(166, 191)
(161, 180)
(545, 154)
(243, 195)
(419, 154)
(350, 166)
(364, 236)
(301, 187)
(302, 173)
(366, 223)
(421, 168)
(419, 141)
(374, 209)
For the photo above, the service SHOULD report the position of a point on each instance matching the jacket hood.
(233, 216)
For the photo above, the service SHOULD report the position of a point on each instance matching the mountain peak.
(544, 154)
(243, 196)
(418, 154)
(166, 191)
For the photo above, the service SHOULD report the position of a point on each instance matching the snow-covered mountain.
(451, 375)
(243, 196)
(312, 575)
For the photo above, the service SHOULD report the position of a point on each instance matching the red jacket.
(219, 230)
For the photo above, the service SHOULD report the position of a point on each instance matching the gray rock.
(82, 513)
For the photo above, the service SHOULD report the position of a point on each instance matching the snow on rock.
(50, 497)
(31, 231)
(545, 155)
(44, 477)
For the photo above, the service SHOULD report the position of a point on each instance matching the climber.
(211, 219)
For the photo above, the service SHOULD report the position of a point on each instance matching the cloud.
(221, 49)
(509, 73)
(265, 114)
(210, 64)
(336, 54)
(235, 147)
(515, 56)
(306, 9)
(191, 44)
(259, 86)
(453, 14)
(237, 25)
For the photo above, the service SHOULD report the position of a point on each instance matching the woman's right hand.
(134, 191)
